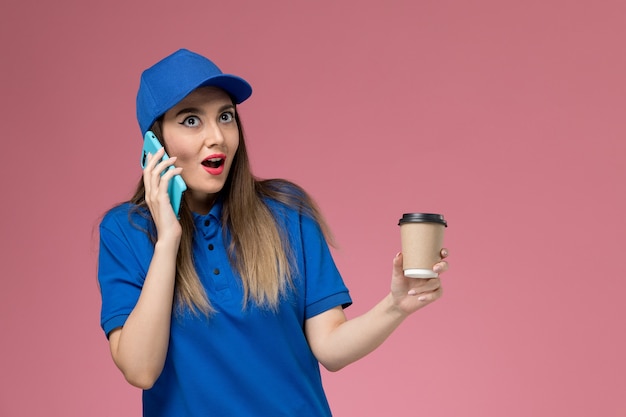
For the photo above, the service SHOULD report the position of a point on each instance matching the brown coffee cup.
(422, 241)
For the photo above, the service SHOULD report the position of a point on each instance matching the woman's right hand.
(156, 195)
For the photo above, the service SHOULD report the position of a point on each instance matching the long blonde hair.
(258, 250)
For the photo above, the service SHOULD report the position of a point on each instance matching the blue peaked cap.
(170, 80)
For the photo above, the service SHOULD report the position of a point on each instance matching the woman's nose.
(213, 136)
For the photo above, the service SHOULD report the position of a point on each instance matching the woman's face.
(201, 131)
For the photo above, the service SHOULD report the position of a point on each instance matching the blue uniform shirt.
(239, 362)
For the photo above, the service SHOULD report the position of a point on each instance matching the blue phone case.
(177, 186)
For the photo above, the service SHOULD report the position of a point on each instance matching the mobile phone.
(177, 186)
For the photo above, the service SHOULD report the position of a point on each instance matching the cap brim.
(236, 87)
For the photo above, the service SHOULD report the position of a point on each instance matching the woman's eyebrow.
(228, 106)
(197, 110)
(187, 110)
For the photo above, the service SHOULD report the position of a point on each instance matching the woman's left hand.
(411, 294)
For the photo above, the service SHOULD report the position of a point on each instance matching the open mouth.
(213, 162)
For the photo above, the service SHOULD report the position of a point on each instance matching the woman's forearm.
(337, 342)
(140, 347)
(350, 340)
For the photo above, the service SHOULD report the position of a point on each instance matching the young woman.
(229, 309)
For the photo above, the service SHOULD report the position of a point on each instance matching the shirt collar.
(215, 212)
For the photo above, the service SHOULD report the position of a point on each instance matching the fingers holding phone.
(176, 185)
(158, 174)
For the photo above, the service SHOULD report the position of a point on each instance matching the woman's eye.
(227, 117)
(191, 121)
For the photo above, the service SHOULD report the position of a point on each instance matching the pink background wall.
(508, 117)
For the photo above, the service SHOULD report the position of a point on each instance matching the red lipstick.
(214, 164)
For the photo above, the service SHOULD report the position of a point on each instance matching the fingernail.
(412, 292)
(422, 298)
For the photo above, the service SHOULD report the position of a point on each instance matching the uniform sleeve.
(325, 288)
(124, 255)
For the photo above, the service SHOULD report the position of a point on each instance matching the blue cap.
(170, 80)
